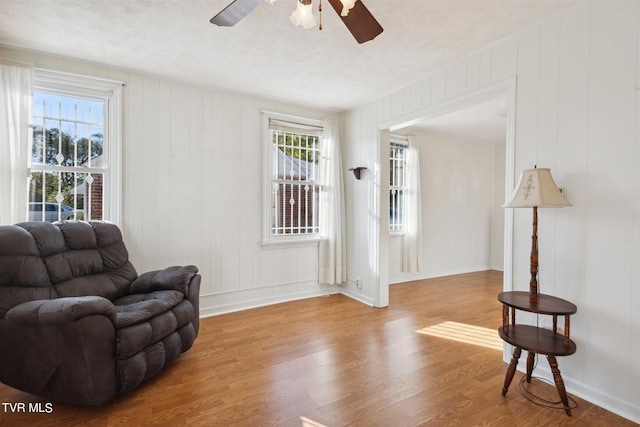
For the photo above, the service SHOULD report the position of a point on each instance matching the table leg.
(530, 360)
(511, 370)
(553, 364)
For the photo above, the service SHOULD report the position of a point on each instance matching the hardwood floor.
(337, 362)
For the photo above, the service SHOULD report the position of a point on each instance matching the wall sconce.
(357, 171)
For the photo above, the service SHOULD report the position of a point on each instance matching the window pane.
(65, 195)
(295, 209)
(64, 107)
(295, 187)
(67, 139)
(67, 131)
(397, 186)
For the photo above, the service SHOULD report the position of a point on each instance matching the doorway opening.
(466, 159)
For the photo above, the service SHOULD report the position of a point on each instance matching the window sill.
(290, 243)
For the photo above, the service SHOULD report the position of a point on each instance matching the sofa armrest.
(171, 278)
(71, 361)
(60, 310)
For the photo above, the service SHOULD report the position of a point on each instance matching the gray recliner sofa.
(77, 323)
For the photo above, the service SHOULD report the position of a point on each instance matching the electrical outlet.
(359, 282)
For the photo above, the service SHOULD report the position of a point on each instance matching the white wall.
(496, 254)
(578, 113)
(457, 178)
(192, 193)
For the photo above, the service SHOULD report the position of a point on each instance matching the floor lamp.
(536, 189)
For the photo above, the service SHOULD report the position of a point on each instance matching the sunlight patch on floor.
(306, 422)
(468, 334)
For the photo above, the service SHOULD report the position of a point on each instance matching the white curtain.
(332, 249)
(16, 91)
(412, 239)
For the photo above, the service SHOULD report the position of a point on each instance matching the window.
(397, 182)
(292, 198)
(75, 148)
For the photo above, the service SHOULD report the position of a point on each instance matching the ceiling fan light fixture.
(347, 5)
(303, 15)
(360, 22)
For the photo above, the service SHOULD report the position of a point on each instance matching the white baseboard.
(215, 310)
(423, 276)
(357, 296)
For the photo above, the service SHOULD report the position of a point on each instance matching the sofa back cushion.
(23, 274)
(65, 259)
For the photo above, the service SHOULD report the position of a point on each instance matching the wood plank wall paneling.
(634, 387)
(573, 132)
(609, 175)
(133, 108)
(193, 187)
(577, 112)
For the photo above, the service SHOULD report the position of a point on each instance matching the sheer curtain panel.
(412, 239)
(332, 248)
(16, 91)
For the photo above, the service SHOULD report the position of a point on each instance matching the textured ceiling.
(484, 122)
(265, 54)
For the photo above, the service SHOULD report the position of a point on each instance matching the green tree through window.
(67, 146)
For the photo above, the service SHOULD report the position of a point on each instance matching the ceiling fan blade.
(232, 14)
(359, 21)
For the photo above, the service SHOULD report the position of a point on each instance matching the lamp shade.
(536, 188)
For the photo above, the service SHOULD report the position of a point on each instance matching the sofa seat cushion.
(143, 320)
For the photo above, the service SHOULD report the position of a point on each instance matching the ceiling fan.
(355, 15)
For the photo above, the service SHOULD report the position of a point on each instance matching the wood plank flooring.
(337, 362)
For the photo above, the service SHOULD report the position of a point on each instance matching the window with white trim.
(75, 148)
(292, 197)
(397, 182)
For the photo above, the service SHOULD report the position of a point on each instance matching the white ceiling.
(481, 121)
(265, 54)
